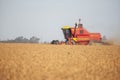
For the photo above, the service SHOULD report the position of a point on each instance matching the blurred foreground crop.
(59, 62)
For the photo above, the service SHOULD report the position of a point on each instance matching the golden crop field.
(59, 62)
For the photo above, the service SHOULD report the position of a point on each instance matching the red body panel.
(95, 36)
(85, 32)
(81, 32)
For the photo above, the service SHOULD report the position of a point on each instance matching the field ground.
(59, 62)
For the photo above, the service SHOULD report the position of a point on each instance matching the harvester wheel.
(72, 42)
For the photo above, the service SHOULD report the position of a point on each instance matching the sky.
(45, 18)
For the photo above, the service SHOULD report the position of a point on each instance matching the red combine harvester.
(79, 35)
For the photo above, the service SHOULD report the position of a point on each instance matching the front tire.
(72, 42)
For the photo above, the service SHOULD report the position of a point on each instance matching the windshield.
(67, 33)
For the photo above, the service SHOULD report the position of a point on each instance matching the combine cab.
(79, 35)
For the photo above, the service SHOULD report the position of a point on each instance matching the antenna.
(79, 20)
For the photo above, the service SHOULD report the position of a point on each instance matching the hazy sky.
(44, 18)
